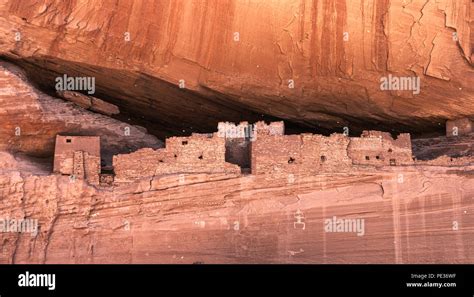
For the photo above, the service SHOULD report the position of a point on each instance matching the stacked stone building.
(258, 148)
(312, 153)
(198, 153)
(78, 157)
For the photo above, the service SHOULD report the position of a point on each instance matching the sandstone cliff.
(425, 217)
(30, 120)
(178, 67)
(236, 58)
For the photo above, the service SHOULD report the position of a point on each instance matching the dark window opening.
(291, 160)
(389, 150)
(175, 156)
(367, 158)
(323, 158)
(68, 140)
(184, 143)
(200, 157)
(377, 157)
(161, 161)
(237, 151)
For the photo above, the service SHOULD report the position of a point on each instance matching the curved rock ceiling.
(316, 64)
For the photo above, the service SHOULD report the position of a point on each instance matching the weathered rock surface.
(455, 147)
(410, 217)
(90, 102)
(30, 120)
(235, 61)
(236, 58)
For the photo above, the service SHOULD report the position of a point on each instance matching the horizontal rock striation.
(177, 67)
(409, 217)
(90, 102)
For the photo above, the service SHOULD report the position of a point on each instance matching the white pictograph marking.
(299, 216)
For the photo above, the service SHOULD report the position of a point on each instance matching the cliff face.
(240, 59)
(180, 66)
(420, 218)
(30, 121)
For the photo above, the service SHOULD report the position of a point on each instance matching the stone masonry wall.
(267, 151)
(66, 146)
(199, 153)
(239, 137)
(91, 168)
(78, 156)
(274, 128)
(309, 153)
(305, 153)
(379, 148)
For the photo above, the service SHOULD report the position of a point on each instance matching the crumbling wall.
(274, 128)
(459, 127)
(78, 165)
(305, 153)
(239, 137)
(91, 168)
(142, 163)
(273, 152)
(276, 154)
(379, 148)
(197, 150)
(309, 153)
(199, 153)
(266, 149)
(231, 130)
(331, 152)
(106, 179)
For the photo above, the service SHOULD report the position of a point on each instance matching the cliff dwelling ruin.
(245, 148)
(230, 132)
(78, 157)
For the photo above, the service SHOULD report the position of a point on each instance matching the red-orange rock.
(30, 121)
(231, 54)
(419, 218)
(182, 66)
